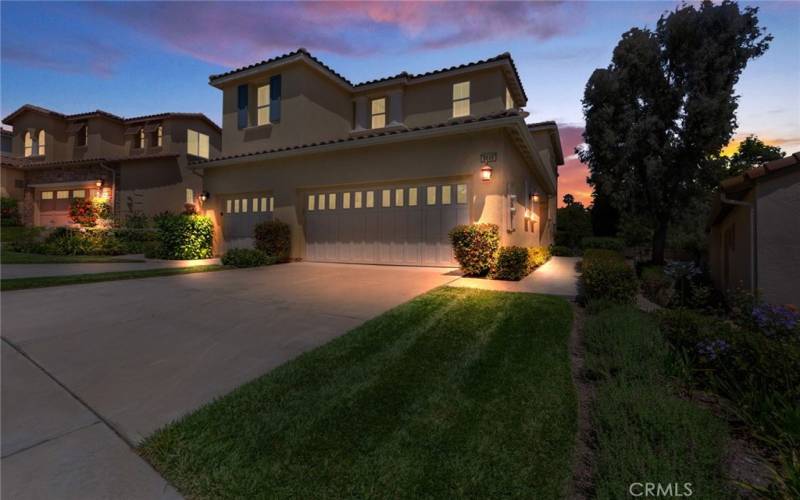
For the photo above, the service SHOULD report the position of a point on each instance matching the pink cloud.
(235, 33)
(572, 175)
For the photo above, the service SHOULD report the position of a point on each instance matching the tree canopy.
(658, 116)
(752, 152)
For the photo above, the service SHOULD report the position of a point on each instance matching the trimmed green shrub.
(475, 247)
(67, 241)
(274, 238)
(537, 256)
(561, 251)
(657, 286)
(137, 240)
(9, 212)
(512, 263)
(606, 275)
(247, 257)
(136, 220)
(603, 243)
(185, 236)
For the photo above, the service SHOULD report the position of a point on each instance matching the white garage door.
(241, 214)
(405, 225)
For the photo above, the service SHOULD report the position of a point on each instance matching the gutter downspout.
(113, 184)
(752, 207)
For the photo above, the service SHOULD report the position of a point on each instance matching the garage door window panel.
(446, 195)
(412, 197)
(321, 202)
(431, 195)
(312, 202)
(461, 194)
(332, 201)
(345, 201)
(370, 199)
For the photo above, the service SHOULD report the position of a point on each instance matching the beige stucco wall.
(738, 275)
(778, 230)
(55, 131)
(7, 183)
(313, 108)
(154, 186)
(455, 157)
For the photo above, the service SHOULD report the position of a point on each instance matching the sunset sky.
(140, 58)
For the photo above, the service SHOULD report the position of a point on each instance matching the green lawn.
(458, 393)
(644, 431)
(7, 257)
(77, 279)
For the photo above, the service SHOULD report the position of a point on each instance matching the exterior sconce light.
(535, 197)
(486, 173)
(98, 182)
(204, 196)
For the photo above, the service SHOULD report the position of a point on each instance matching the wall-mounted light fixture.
(98, 182)
(204, 196)
(486, 173)
(535, 197)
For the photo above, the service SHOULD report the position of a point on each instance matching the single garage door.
(241, 213)
(405, 225)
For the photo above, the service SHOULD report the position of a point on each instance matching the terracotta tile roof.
(747, 178)
(403, 75)
(367, 135)
(11, 161)
(100, 112)
(27, 164)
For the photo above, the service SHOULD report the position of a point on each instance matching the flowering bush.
(82, 211)
(777, 322)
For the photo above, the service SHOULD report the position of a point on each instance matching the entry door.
(405, 225)
(241, 214)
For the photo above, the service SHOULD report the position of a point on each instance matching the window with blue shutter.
(242, 106)
(275, 99)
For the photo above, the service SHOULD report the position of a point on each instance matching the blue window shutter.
(275, 99)
(242, 107)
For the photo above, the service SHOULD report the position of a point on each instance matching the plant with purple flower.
(777, 322)
(712, 349)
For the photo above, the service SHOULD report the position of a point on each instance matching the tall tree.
(568, 199)
(658, 116)
(752, 152)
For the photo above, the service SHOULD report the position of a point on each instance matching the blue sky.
(141, 58)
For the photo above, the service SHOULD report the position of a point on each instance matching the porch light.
(204, 196)
(98, 182)
(486, 173)
(536, 197)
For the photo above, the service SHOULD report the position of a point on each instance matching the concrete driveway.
(90, 370)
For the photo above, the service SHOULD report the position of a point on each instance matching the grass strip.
(78, 279)
(645, 432)
(7, 257)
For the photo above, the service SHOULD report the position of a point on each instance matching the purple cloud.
(231, 33)
(75, 56)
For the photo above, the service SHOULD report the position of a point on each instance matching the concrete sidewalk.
(559, 276)
(37, 270)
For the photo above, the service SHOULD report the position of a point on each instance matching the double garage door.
(241, 214)
(404, 225)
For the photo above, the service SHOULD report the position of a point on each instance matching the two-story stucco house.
(139, 164)
(379, 172)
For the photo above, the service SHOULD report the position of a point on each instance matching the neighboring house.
(379, 172)
(138, 164)
(755, 232)
(12, 178)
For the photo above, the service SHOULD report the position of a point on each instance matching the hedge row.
(478, 252)
(606, 276)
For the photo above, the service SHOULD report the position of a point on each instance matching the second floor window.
(138, 141)
(157, 138)
(196, 143)
(378, 112)
(82, 137)
(41, 144)
(28, 144)
(460, 99)
(262, 105)
(509, 100)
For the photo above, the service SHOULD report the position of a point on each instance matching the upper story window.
(196, 143)
(28, 144)
(82, 136)
(157, 138)
(262, 105)
(138, 141)
(378, 112)
(460, 99)
(41, 147)
(509, 99)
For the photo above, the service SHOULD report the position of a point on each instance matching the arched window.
(140, 138)
(28, 144)
(41, 148)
